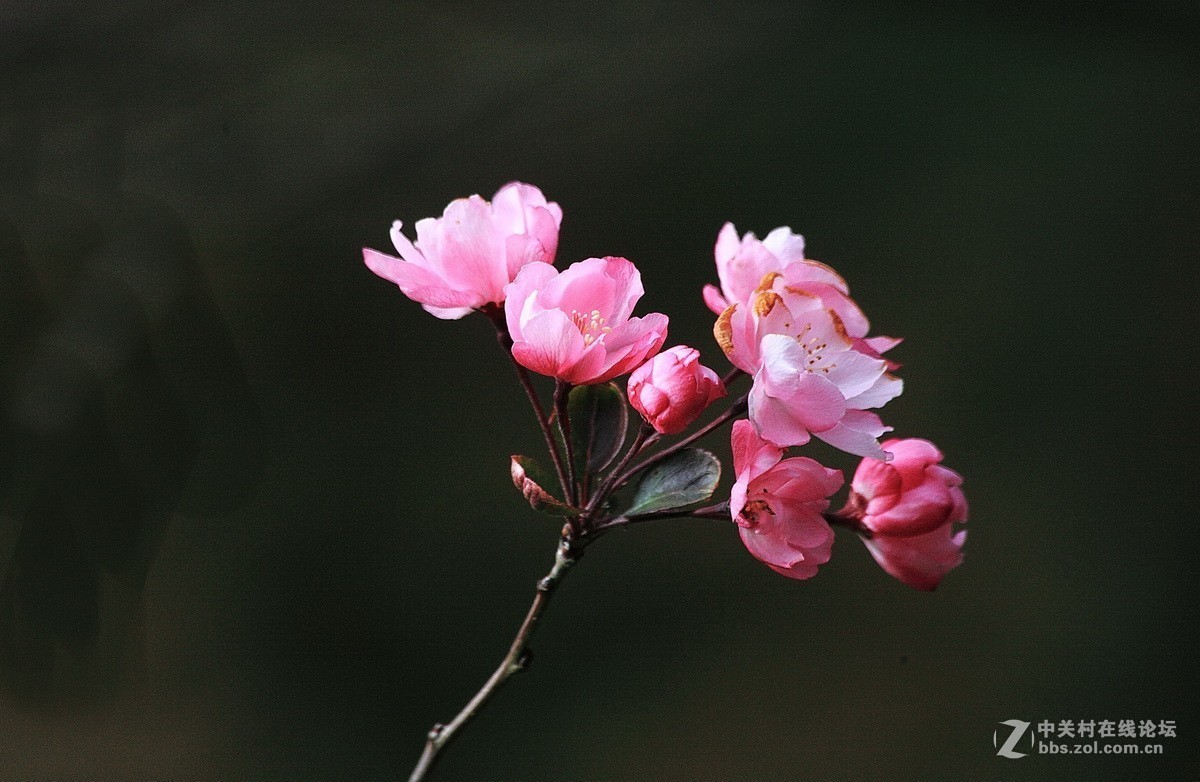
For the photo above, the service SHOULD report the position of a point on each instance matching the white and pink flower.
(577, 325)
(464, 259)
(811, 376)
(742, 265)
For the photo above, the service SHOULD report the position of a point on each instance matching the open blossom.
(673, 388)
(465, 258)
(576, 325)
(911, 505)
(810, 375)
(743, 264)
(778, 504)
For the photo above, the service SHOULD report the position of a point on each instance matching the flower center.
(755, 508)
(590, 325)
(814, 360)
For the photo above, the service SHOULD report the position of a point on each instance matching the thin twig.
(733, 375)
(517, 659)
(736, 409)
(645, 437)
(718, 511)
(849, 522)
(562, 390)
(496, 315)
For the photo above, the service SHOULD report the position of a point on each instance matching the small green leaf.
(599, 418)
(683, 478)
(528, 476)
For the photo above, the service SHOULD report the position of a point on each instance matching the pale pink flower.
(911, 506)
(778, 504)
(575, 325)
(462, 260)
(810, 376)
(672, 389)
(743, 264)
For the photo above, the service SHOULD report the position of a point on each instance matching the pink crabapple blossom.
(777, 504)
(742, 265)
(810, 377)
(911, 505)
(464, 259)
(576, 325)
(672, 389)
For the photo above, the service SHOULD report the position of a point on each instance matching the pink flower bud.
(911, 504)
(672, 389)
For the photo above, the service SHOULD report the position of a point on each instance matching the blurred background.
(255, 516)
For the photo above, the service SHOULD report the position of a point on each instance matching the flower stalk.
(495, 314)
(517, 659)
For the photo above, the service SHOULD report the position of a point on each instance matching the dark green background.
(1014, 191)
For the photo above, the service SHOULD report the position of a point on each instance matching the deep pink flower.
(778, 504)
(575, 325)
(463, 259)
(810, 375)
(911, 506)
(672, 389)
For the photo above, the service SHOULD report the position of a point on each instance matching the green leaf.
(529, 477)
(599, 418)
(683, 478)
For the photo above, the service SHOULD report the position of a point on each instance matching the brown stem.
(646, 436)
(718, 511)
(561, 391)
(849, 522)
(495, 314)
(736, 409)
(517, 659)
(732, 375)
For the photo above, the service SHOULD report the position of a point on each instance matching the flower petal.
(786, 246)
(804, 480)
(857, 433)
(853, 373)
(885, 388)
(765, 542)
(522, 295)
(752, 455)
(921, 561)
(550, 344)
(418, 283)
(810, 398)
(610, 286)
(714, 300)
(466, 248)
